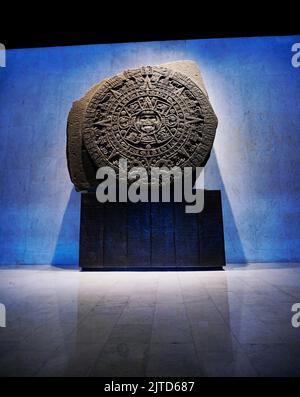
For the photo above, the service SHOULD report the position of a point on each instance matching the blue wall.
(255, 92)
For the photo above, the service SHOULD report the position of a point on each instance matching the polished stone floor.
(237, 322)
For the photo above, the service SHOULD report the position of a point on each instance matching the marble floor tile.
(213, 338)
(61, 322)
(137, 315)
(71, 360)
(94, 329)
(131, 333)
(169, 359)
(274, 360)
(226, 363)
(171, 331)
(121, 359)
(247, 331)
(170, 311)
(23, 362)
(203, 311)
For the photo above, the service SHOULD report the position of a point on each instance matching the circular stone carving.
(151, 116)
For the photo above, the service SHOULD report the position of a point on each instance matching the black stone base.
(151, 236)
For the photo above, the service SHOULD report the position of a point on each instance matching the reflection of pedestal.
(151, 235)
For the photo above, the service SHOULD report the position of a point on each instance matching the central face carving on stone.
(149, 127)
(148, 122)
(151, 116)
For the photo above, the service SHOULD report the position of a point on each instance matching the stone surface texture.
(152, 116)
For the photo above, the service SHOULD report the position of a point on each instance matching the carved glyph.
(153, 116)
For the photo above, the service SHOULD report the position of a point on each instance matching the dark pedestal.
(151, 235)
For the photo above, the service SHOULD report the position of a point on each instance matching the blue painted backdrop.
(255, 92)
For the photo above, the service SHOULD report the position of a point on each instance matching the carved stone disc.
(151, 116)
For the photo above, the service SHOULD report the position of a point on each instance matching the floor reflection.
(233, 323)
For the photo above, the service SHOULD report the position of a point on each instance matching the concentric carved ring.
(150, 116)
